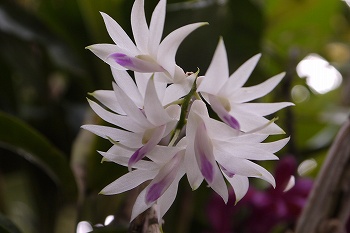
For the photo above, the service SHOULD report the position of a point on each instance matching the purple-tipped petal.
(203, 149)
(222, 112)
(140, 63)
(164, 178)
(152, 137)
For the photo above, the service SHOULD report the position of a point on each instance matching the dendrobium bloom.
(143, 128)
(214, 150)
(228, 98)
(148, 54)
(162, 127)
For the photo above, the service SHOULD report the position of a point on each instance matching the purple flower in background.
(260, 211)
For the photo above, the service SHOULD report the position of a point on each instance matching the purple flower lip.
(231, 121)
(122, 59)
(206, 168)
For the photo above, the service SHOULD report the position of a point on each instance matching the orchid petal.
(167, 49)
(118, 35)
(118, 120)
(275, 146)
(139, 26)
(162, 154)
(140, 63)
(140, 205)
(264, 109)
(103, 51)
(240, 76)
(124, 137)
(217, 73)
(246, 94)
(108, 99)
(168, 197)
(157, 135)
(164, 178)
(240, 185)
(127, 84)
(223, 113)
(203, 149)
(154, 110)
(156, 27)
(130, 108)
(128, 181)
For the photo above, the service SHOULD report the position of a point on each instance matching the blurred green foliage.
(46, 73)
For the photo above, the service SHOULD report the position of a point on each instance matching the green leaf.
(19, 137)
(7, 226)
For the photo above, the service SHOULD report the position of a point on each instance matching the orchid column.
(163, 129)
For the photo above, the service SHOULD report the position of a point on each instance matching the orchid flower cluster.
(163, 129)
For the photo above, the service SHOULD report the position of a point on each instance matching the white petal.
(139, 26)
(140, 205)
(108, 99)
(124, 137)
(275, 146)
(130, 108)
(217, 73)
(103, 51)
(240, 185)
(162, 154)
(290, 184)
(240, 76)
(249, 121)
(246, 94)
(219, 185)
(156, 27)
(123, 159)
(118, 35)
(170, 44)
(194, 175)
(168, 197)
(176, 91)
(245, 151)
(127, 84)
(264, 109)
(154, 110)
(118, 120)
(128, 181)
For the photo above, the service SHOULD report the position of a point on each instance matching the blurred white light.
(300, 94)
(290, 184)
(306, 166)
(84, 227)
(321, 76)
(347, 2)
(109, 219)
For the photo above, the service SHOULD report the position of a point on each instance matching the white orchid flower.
(228, 98)
(149, 54)
(143, 127)
(215, 149)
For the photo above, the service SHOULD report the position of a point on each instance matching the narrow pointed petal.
(139, 26)
(217, 73)
(103, 51)
(219, 184)
(156, 27)
(130, 108)
(240, 185)
(123, 159)
(124, 137)
(177, 91)
(246, 94)
(223, 113)
(194, 175)
(264, 109)
(139, 63)
(246, 151)
(203, 149)
(118, 35)
(118, 120)
(128, 181)
(108, 99)
(164, 178)
(154, 110)
(157, 135)
(275, 146)
(140, 205)
(170, 44)
(168, 197)
(163, 154)
(240, 76)
(127, 84)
